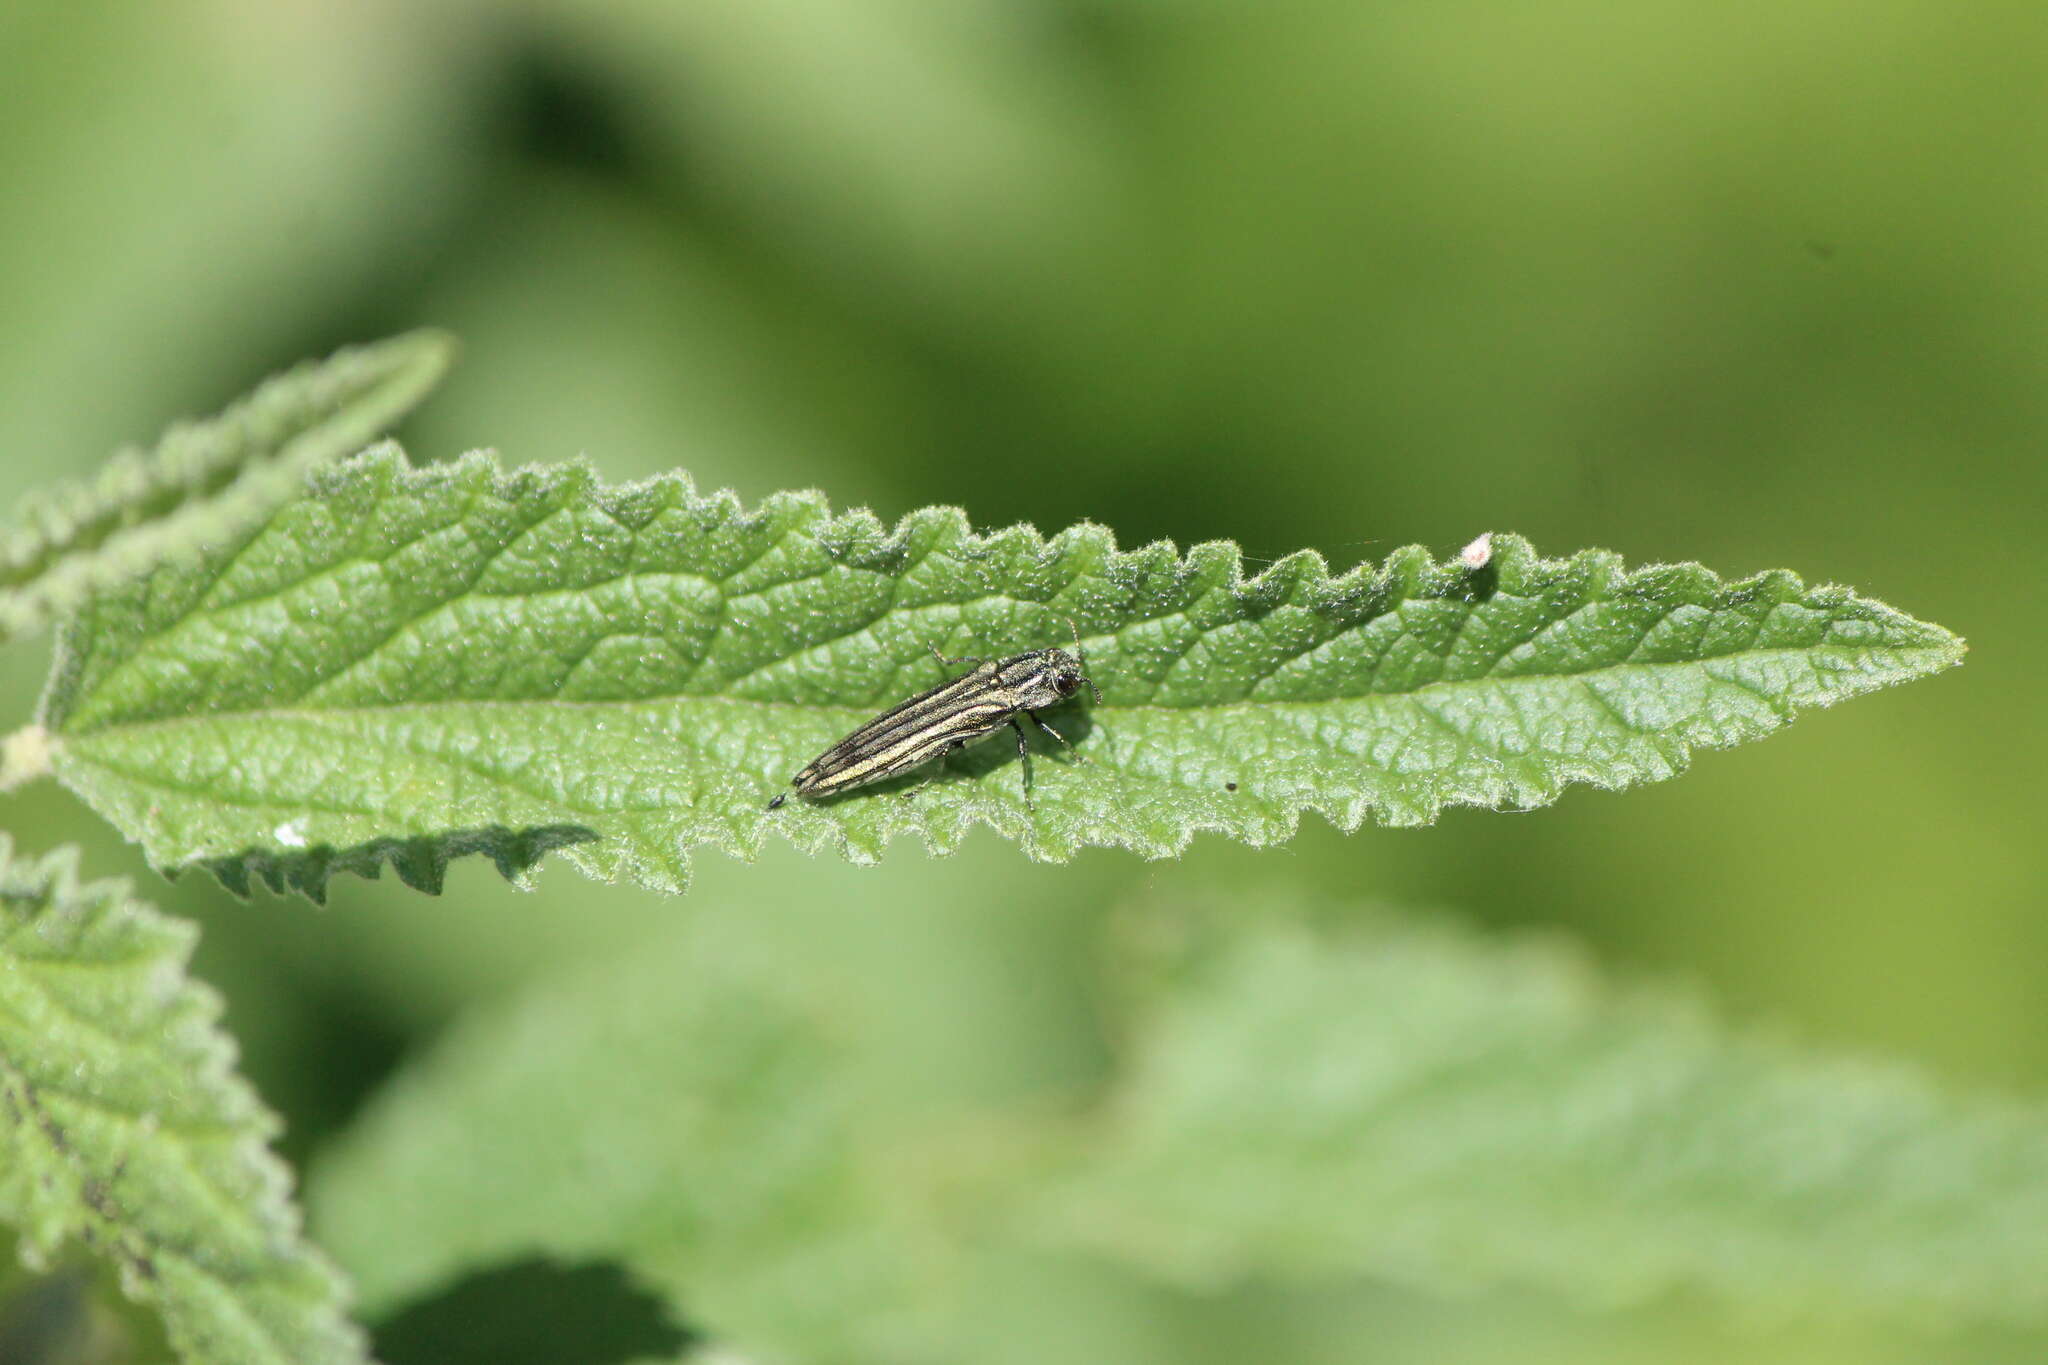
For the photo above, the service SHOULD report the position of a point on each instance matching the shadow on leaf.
(534, 1313)
(421, 863)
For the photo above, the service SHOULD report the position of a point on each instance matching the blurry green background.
(1755, 284)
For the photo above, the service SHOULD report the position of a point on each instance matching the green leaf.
(126, 1130)
(205, 479)
(1370, 1100)
(1408, 1101)
(412, 664)
(698, 1125)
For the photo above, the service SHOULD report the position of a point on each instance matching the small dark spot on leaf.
(1230, 786)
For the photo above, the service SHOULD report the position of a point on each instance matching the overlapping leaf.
(408, 664)
(698, 1127)
(205, 479)
(1358, 1100)
(124, 1128)
(1406, 1100)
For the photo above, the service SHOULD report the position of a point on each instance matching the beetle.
(950, 716)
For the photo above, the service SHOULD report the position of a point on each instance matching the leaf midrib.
(1435, 687)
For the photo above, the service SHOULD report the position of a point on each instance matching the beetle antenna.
(1082, 655)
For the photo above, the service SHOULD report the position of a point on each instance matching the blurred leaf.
(931, 162)
(205, 480)
(1409, 1101)
(698, 1128)
(412, 664)
(1385, 1101)
(127, 1130)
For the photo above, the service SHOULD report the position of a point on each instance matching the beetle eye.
(1065, 684)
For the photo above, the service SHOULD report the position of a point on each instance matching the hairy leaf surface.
(124, 1128)
(205, 479)
(409, 664)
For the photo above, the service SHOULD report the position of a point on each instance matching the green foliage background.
(1756, 285)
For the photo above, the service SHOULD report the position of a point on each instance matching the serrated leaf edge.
(224, 476)
(192, 1010)
(1300, 579)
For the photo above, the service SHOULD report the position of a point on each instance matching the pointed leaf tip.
(402, 658)
(206, 480)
